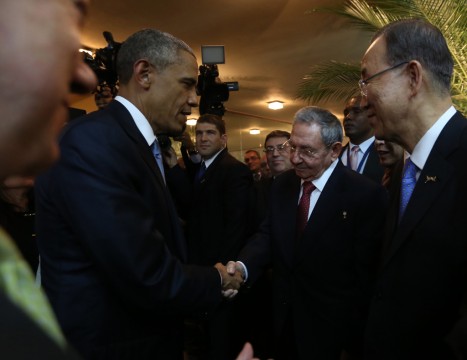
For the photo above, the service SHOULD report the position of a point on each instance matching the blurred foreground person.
(40, 66)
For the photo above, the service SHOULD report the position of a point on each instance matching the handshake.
(233, 277)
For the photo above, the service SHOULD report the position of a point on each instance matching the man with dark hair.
(405, 84)
(253, 161)
(277, 152)
(219, 220)
(112, 248)
(360, 153)
(324, 251)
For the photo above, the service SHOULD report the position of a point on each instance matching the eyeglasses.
(282, 148)
(305, 153)
(363, 84)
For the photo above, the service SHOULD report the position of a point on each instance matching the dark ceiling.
(269, 47)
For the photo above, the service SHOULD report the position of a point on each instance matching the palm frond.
(450, 16)
(330, 81)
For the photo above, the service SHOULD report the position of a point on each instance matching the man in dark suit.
(278, 161)
(322, 267)
(111, 245)
(222, 202)
(406, 75)
(37, 73)
(253, 160)
(360, 153)
(219, 220)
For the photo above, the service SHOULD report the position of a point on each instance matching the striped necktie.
(409, 179)
(304, 207)
(156, 151)
(353, 157)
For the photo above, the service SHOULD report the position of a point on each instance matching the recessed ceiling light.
(191, 122)
(275, 105)
(254, 132)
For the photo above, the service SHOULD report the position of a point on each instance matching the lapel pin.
(431, 178)
(344, 214)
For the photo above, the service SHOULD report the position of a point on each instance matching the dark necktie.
(156, 151)
(200, 173)
(304, 207)
(408, 184)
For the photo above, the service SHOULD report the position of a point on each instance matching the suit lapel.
(287, 212)
(326, 206)
(433, 179)
(124, 119)
(208, 175)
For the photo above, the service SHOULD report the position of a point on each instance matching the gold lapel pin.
(431, 178)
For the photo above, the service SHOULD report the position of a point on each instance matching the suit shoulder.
(286, 178)
(359, 181)
(231, 162)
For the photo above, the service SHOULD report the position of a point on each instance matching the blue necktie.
(409, 180)
(156, 151)
(200, 173)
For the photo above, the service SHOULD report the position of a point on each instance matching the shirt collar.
(320, 182)
(364, 145)
(212, 158)
(140, 120)
(423, 148)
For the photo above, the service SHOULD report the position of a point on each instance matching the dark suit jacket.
(323, 280)
(373, 169)
(222, 208)
(22, 339)
(424, 273)
(111, 244)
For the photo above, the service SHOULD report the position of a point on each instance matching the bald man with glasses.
(422, 286)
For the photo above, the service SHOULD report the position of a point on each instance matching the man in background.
(278, 159)
(253, 161)
(360, 153)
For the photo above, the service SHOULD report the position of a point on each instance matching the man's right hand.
(231, 281)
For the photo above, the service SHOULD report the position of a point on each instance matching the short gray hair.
(330, 126)
(160, 48)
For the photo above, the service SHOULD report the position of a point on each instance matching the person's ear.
(142, 72)
(336, 150)
(415, 73)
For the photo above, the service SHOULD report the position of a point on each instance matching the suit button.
(284, 303)
(377, 296)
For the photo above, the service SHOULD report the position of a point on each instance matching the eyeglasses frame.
(363, 84)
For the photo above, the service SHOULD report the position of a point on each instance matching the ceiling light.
(191, 122)
(87, 51)
(275, 105)
(254, 132)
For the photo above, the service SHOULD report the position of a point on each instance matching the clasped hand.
(232, 278)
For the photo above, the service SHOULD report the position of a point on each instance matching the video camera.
(212, 90)
(103, 63)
